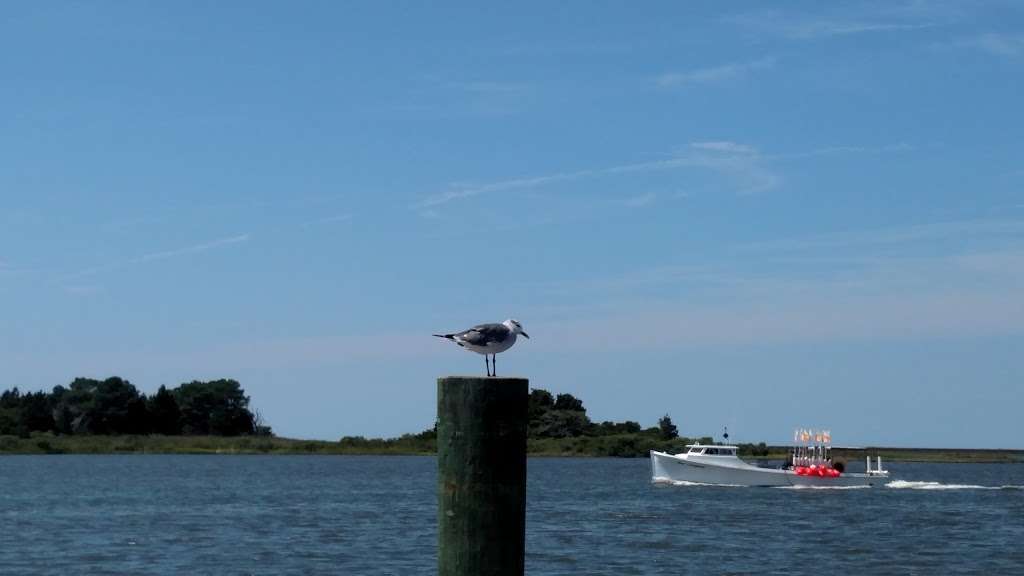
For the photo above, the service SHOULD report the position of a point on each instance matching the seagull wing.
(484, 334)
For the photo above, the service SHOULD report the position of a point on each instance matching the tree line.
(560, 423)
(115, 406)
(564, 416)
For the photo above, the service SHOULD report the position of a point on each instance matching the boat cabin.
(703, 450)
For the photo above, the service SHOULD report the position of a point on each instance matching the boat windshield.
(712, 451)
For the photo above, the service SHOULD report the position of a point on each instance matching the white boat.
(809, 466)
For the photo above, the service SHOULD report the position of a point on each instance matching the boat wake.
(911, 485)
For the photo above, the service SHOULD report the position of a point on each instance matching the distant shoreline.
(156, 444)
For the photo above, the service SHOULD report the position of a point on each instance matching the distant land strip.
(624, 445)
(112, 416)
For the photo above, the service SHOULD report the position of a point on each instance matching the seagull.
(488, 339)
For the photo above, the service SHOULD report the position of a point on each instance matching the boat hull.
(668, 468)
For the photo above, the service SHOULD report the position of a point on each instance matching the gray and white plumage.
(488, 339)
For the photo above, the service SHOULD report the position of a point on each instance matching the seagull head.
(515, 327)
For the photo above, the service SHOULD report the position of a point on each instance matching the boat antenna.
(725, 434)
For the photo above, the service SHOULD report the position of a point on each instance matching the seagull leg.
(487, 362)
(494, 364)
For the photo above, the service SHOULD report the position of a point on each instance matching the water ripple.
(268, 515)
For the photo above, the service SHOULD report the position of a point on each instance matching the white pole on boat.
(868, 468)
(793, 463)
(878, 463)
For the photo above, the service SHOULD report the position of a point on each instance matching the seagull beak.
(525, 335)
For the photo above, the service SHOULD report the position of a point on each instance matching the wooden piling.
(481, 475)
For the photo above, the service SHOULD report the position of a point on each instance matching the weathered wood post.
(481, 475)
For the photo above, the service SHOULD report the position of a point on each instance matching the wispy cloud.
(741, 163)
(745, 166)
(797, 27)
(724, 146)
(714, 74)
(1004, 45)
(194, 249)
(468, 191)
(818, 314)
(738, 161)
(826, 28)
(917, 291)
(641, 200)
(161, 255)
(895, 148)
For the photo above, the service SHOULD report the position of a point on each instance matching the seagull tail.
(448, 336)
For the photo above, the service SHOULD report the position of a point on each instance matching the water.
(147, 514)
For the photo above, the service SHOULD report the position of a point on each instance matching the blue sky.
(760, 216)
